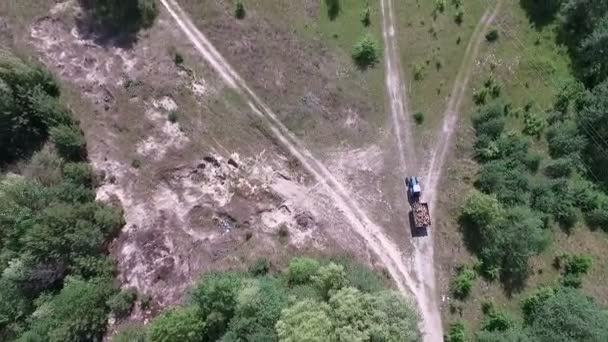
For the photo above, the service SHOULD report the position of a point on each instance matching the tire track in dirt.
(421, 260)
(450, 120)
(395, 87)
(378, 242)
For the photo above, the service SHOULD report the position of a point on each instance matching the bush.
(301, 270)
(127, 15)
(78, 173)
(498, 321)
(69, 142)
(178, 325)
(419, 118)
(532, 162)
(463, 282)
(173, 116)
(459, 17)
(492, 35)
(239, 11)
(45, 167)
(333, 8)
(329, 279)
(131, 334)
(77, 313)
(260, 267)
(419, 71)
(457, 333)
(559, 168)
(122, 303)
(533, 124)
(598, 218)
(365, 52)
(366, 16)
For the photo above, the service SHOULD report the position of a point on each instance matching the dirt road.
(421, 263)
(377, 241)
(444, 138)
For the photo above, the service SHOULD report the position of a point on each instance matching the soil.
(208, 191)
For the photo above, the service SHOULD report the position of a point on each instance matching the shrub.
(366, 16)
(329, 279)
(559, 168)
(333, 8)
(533, 124)
(178, 325)
(419, 71)
(45, 167)
(145, 301)
(129, 15)
(173, 116)
(459, 17)
(419, 118)
(439, 6)
(598, 218)
(480, 96)
(492, 35)
(77, 313)
(532, 161)
(498, 321)
(239, 11)
(463, 282)
(78, 173)
(122, 303)
(178, 59)
(301, 270)
(134, 333)
(69, 142)
(457, 333)
(260, 267)
(365, 52)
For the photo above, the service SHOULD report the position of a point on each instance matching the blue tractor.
(420, 210)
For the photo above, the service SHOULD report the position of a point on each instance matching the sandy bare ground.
(444, 138)
(421, 260)
(376, 240)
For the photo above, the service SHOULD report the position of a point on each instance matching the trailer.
(419, 210)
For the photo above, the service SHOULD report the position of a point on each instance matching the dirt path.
(421, 260)
(395, 87)
(444, 139)
(377, 241)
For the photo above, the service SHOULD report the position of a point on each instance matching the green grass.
(530, 68)
(435, 44)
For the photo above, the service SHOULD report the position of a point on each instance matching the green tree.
(239, 12)
(306, 321)
(129, 15)
(69, 142)
(258, 308)
(178, 325)
(333, 8)
(366, 52)
(568, 315)
(122, 303)
(301, 270)
(216, 297)
(330, 278)
(77, 313)
(395, 319)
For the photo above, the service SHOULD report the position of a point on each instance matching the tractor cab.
(413, 188)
